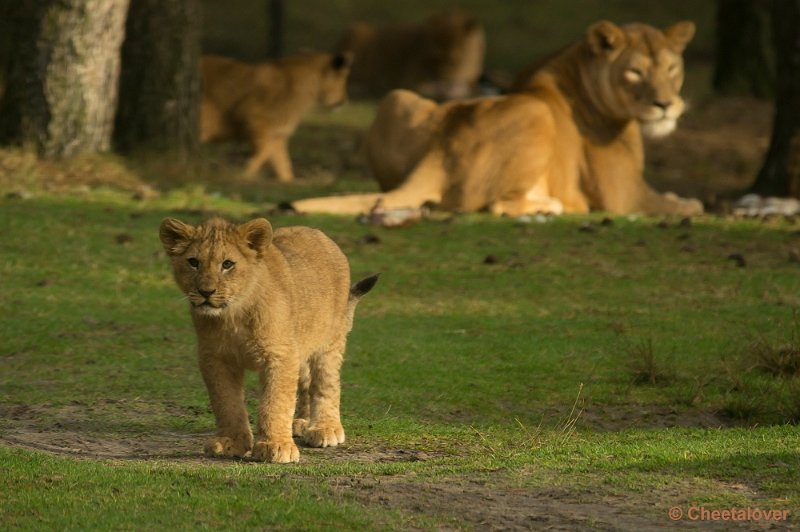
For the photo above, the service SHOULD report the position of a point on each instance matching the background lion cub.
(279, 304)
(263, 104)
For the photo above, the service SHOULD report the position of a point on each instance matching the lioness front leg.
(325, 427)
(225, 384)
(278, 377)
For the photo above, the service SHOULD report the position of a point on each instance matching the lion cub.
(279, 304)
(263, 104)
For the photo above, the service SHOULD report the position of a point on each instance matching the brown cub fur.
(441, 57)
(263, 104)
(276, 303)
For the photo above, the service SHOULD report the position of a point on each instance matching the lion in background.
(263, 104)
(279, 304)
(440, 58)
(569, 141)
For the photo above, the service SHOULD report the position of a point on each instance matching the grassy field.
(578, 372)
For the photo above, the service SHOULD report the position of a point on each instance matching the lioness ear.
(257, 233)
(605, 37)
(175, 235)
(679, 35)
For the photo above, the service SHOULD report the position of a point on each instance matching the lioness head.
(333, 84)
(213, 263)
(637, 72)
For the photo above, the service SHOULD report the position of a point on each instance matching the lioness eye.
(193, 262)
(227, 264)
(634, 75)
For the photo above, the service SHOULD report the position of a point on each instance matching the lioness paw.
(224, 446)
(324, 436)
(277, 452)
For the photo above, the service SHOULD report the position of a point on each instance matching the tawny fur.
(569, 141)
(263, 104)
(441, 57)
(280, 305)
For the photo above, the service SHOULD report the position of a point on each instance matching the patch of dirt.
(135, 430)
(114, 430)
(602, 418)
(494, 503)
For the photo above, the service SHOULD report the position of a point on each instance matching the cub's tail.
(362, 287)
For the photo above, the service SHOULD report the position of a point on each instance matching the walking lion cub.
(263, 104)
(276, 303)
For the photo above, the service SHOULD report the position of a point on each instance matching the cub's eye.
(193, 262)
(228, 264)
(634, 75)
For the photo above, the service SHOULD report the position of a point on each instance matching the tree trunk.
(780, 175)
(276, 17)
(743, 50)
(160, 80)
(62, 83)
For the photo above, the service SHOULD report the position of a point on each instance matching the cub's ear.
(175, 235)
(605, 37)
(342, 60)
(257, 233)
(679, 35)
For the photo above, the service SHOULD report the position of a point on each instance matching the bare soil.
(118, 430)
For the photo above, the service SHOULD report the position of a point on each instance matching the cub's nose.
(206, 293)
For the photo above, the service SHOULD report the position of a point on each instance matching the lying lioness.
(569, 141)
(263, 104)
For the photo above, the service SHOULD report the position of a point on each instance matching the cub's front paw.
(277, 452)
(299, 426)
(329, 435)
(224, 446)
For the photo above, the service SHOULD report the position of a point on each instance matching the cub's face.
(640, 73)
(333, 85)
(214, 263)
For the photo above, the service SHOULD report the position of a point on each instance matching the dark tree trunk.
(276, 18)
(780, 175)
(62, 80)
(742, 63)
(159, 95)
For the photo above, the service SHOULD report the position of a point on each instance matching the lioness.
(569, 142)
(263, 104)
(440, 58)
(280, 304)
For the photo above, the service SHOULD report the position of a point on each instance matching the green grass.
(477, 366)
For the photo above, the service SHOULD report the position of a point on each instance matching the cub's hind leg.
(302, 412)
(325, 426)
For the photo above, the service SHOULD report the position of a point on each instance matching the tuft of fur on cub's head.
(214, 263)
